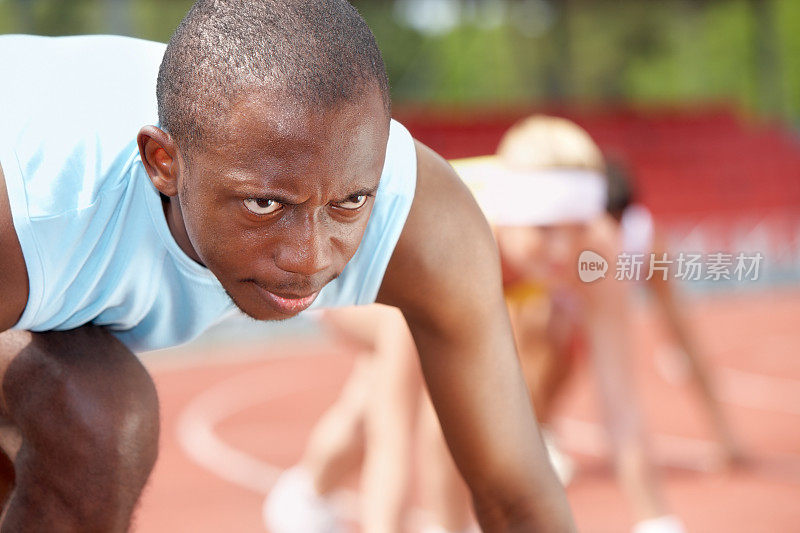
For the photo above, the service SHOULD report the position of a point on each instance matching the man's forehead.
(333, 172)
(281, 117)
(262, 127)
(268, 144)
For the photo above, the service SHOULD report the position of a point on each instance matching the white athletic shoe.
(293, 506)
(662, 524)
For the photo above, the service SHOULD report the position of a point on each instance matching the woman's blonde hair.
(541, 142)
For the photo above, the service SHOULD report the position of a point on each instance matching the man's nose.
(307, 248)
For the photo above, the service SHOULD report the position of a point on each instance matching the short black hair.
(318, 52)
(621, 192)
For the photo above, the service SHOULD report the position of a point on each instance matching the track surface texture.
(233, 417)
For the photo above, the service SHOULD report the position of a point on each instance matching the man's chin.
(260, 313)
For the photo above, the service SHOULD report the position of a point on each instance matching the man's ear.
(160, 157)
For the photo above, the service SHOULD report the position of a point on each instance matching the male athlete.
(270, 179)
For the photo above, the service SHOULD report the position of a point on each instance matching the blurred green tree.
(511, 52)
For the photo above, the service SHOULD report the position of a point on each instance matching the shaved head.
(317, 54)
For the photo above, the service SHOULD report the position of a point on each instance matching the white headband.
(543, 197)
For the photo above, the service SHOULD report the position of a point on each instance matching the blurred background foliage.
(744, 53)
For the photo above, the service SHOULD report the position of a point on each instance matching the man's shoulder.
(446, 245)
(81, 69)
(101, 86)
(400, 166)
(71, 116)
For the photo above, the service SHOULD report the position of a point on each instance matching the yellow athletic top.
(524, 291)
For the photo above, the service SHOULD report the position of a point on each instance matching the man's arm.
(445, 277)
(13, 273)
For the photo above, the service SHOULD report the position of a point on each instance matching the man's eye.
(261, 206)
(354, 202)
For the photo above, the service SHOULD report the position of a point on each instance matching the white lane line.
(743, 388)
(673, 451)
(199, 440)
(235, 352)
(589, 438)
(759, 391)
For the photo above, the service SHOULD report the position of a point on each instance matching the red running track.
(248, 413)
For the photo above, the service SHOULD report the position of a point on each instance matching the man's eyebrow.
(364, 191)
(249, 187)
(252, 189)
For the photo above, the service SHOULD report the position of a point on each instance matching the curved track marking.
(199, 440)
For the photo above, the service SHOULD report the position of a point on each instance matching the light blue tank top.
(90, 223)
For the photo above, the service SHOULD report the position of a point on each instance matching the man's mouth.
(288, 304)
